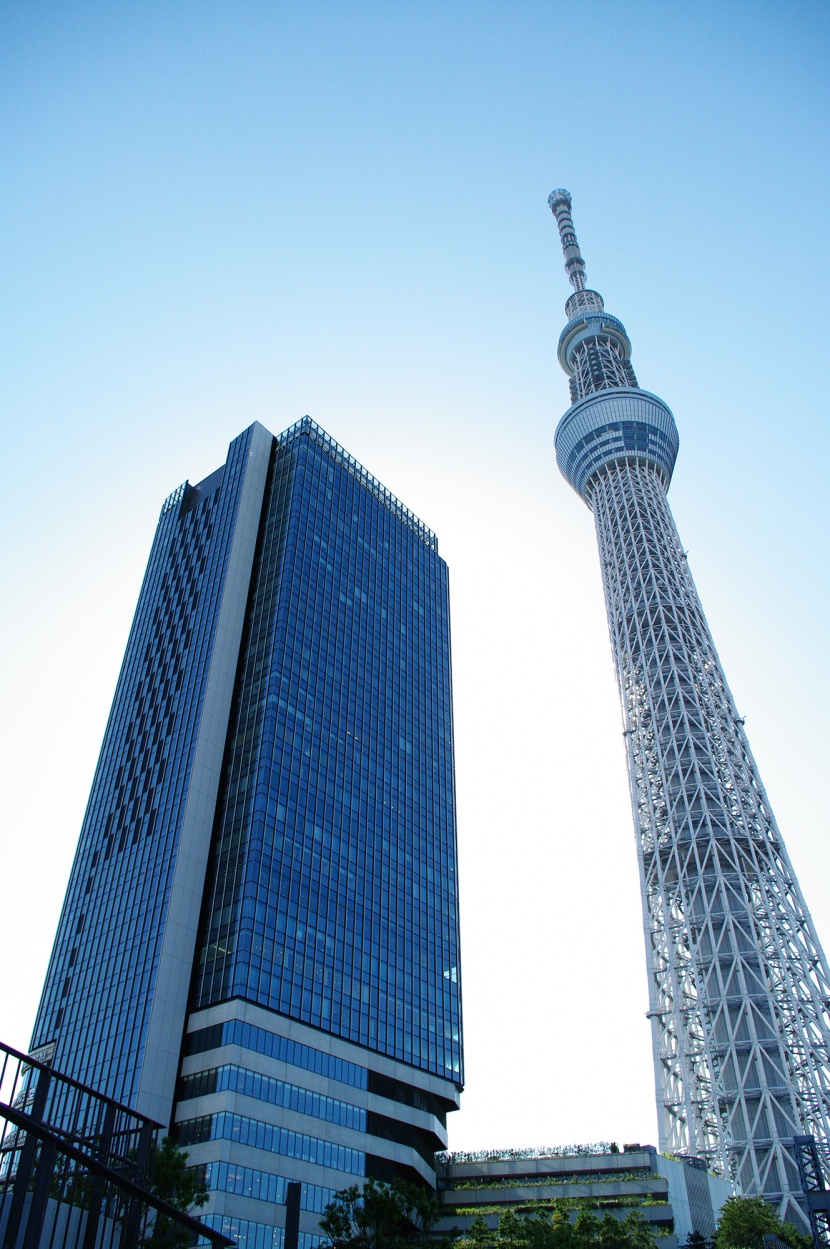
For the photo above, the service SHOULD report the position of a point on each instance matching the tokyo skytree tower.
(739, 987)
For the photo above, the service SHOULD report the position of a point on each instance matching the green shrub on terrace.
(563, 1203)
(509, 1181)
(542, 1231)
(545, 1151)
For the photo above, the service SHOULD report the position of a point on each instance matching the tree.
(179, 1185)
(379, 1216)
(744, 1221)
(632, 1232)
(479, 1235)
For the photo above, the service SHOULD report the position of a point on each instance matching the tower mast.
(739, 986)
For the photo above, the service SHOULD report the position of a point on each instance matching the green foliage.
(541, 1230)
(504, 1155)
(744, 1221)
(379, 1216)
(548, 1181)
(179, 1185)
(549, 1204)
(70, 1183)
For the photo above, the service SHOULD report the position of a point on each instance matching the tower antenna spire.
(594, 349)
(583, 299)
(560, 206)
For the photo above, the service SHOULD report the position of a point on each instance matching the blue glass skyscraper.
(260, 935)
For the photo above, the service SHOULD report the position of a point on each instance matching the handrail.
(65, 1079)
(39, 1130)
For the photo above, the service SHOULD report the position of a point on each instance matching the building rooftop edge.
(341, 456)
(382, 493)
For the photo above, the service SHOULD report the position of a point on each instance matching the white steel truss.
(599, 364)
(739, 987)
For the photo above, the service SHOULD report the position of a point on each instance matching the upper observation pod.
(611, 420)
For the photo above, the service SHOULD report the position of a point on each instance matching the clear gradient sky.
(220, 212)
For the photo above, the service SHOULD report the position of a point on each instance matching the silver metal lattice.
(739, 986)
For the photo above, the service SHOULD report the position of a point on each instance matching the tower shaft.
(738, 983)
(737, 978)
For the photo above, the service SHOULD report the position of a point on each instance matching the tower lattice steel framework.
(739, 987)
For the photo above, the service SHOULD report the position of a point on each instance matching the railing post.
(102, 1150)
(40, 1195)
(26, 1164)
(292, 1215)
(132, 1221)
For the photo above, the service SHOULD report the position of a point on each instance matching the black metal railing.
(75, 1167)
(816, 1195)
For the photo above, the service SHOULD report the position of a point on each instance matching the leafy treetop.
(379, 1216)
(173, 1181)
(744, 1221)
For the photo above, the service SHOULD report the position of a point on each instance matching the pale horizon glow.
(217, 214)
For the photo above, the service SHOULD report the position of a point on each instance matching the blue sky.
(219, 212)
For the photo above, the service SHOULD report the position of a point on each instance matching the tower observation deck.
(739, 987)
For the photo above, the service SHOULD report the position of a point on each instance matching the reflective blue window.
(248, 1235)
(332, 895)
(231, 1078)
(261, 1041)
(247, 1131)
(224, 1177)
